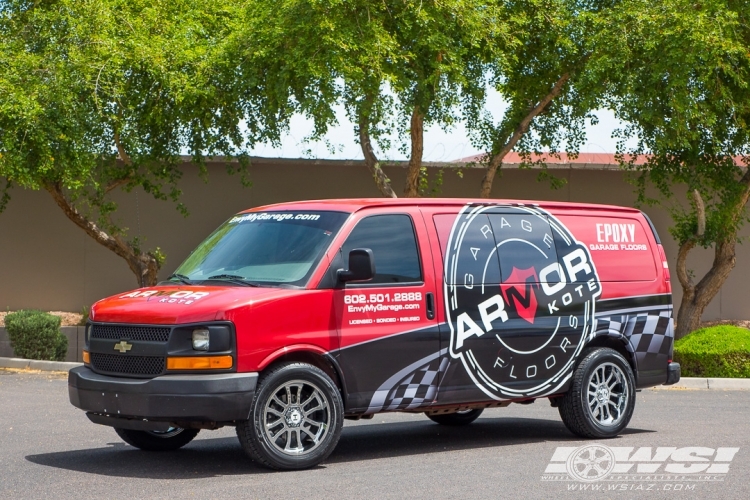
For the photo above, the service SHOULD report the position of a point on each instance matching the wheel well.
(310, 358)
(617, 344)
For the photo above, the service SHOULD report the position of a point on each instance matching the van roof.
(355, 204)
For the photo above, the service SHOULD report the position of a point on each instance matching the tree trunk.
(417, 149)
(695, 298)
(373, 165)
(145, 266)
(521, 129)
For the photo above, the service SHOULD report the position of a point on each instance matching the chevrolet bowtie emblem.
(123, 346)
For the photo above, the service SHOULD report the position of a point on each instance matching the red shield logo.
(519, 292)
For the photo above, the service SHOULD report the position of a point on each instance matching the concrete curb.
(34, 364)
(694, 383)
(684, 383)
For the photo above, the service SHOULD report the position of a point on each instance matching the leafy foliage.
(680, 75)
(394, 66)
(36, 335)
(554, 38)
(717, 351)
(678, 72)
(97, 95)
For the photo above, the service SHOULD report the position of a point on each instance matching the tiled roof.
(593, 159)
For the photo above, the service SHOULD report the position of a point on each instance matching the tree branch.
(696, 297)
(520, 130)
(700, 210)
(121, 150)
(115, 184)
(417, 151)
(681, 268)
(102, 237)
(144, 266)
(373, 165)
(125, 158)
(745, 180)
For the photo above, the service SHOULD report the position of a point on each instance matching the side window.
(393, 244)
(524, 245)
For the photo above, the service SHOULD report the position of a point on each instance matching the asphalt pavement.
(49, 449)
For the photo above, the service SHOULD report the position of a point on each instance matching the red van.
(290, 318)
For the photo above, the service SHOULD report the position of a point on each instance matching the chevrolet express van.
(290, 318)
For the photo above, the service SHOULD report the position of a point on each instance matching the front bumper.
(223, 397)
(673, 373)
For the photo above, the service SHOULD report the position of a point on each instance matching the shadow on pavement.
(223, 456)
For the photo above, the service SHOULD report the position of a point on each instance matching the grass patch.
(717, 351)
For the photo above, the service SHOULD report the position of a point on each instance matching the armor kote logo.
(646, 465)
(520, 295)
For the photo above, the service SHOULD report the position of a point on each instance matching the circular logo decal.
(592, 462)
(520, 294)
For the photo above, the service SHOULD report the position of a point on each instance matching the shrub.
(716, 351)
(36, 335)
(85, 311)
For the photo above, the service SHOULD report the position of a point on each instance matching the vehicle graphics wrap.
(520, 296)
(518, 291)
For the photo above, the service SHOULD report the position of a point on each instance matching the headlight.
(200, 339)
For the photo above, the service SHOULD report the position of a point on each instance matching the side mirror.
(361, 266)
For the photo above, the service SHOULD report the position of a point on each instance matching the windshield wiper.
(182, 278)
(232, 278)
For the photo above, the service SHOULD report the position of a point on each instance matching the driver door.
(389, 339)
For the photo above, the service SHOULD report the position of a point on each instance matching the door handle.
(430, 298)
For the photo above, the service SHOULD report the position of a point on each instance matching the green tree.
(679, 75)
(99, 95)
(394, 66)
(404, 65)
(547, 80)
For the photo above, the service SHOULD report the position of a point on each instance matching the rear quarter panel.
(636, 302)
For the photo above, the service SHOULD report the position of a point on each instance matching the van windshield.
(263, 248)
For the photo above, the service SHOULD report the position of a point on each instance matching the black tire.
(464, 417)
(593, 415)
(306, 421)
(172, 439)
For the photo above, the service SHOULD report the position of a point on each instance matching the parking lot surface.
(48, 449)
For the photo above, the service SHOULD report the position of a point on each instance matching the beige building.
(46, 262)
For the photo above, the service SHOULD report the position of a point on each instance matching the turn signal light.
(86, 357)
(199, 363)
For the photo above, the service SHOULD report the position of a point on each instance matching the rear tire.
(296, 418)
(172, 439)
(464, 417)
(601, 398)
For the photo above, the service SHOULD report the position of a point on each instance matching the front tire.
(464, 417)
(169, 440)
(601, 398)
(296, 418)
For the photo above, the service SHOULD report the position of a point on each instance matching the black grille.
(128, 365)
(117, 332)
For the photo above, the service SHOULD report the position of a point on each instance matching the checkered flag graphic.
(418, 388)
(650, 333)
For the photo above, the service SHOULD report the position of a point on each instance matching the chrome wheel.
(171, 432)
(296, 418)
(607, 394)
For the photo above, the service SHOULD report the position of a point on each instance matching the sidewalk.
(33, 364)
